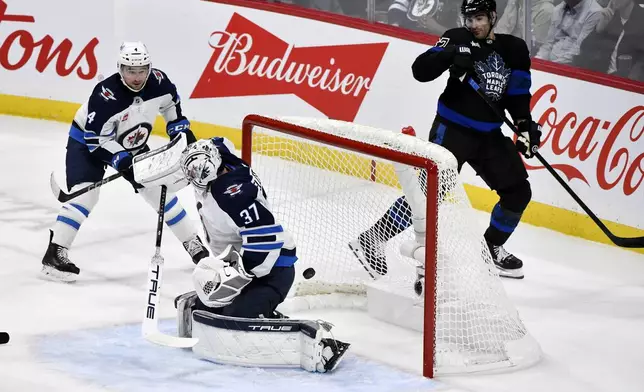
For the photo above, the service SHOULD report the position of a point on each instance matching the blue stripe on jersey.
(271, 246)
(285, 261)
(465, 121)
(263, 230)
(436, 49)
(519, 83)
(77, 134)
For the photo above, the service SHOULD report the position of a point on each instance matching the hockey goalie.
(232, 311)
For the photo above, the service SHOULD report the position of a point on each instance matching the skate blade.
(357, 252)
(512, 274)
(52, 274)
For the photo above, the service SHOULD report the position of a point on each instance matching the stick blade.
(170, 341)
(55, 189)
(637, 242)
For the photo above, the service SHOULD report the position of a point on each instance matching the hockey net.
(329, 181)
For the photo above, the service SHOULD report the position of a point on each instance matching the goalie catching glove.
(218, 280)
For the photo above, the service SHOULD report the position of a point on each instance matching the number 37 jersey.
(235, 211)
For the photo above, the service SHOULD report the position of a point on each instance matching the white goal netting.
(327, 195)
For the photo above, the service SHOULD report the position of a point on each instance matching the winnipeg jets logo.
(136, 137)
(493, 75)
(107, 94)
(158, 75)
(233, 189)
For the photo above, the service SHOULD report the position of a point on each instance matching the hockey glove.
(174, 128)
(218, 280)
(122, 162)
(462, 62)
(530, 137)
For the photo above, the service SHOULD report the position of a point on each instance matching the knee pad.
(72, 215)
(516, 198)
(175, 216)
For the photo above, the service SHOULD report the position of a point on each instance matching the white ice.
(583, 302)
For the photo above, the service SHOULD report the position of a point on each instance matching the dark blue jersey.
(501, 67)
(116, 119)
(235, 211)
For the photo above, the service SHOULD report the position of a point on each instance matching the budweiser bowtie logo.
(248, 60)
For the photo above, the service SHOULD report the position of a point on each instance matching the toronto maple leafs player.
(467, 127)
(254, 269)
(110, 129)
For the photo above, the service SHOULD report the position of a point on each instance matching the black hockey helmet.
(471, 7)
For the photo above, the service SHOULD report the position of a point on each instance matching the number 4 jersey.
(235, 211)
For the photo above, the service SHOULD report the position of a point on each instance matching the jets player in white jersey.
(110, 129)
(237, 292)
(233, 208)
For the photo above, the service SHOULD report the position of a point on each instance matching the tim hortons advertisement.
(229, 61)
(40, 56)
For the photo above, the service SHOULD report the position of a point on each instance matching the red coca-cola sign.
(24, 46)
(248, 60)
(608, 146)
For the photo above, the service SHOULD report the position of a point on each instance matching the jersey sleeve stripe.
(269, 246)
(262, 230)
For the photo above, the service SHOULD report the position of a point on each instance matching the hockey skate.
(332, 353)
(196, 249)
(508, 265)
(371, 254)
(56, 265)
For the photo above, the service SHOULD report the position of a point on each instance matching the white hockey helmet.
(200, 162)
(133, 54)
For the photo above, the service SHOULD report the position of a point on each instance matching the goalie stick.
(625, 242)
(150, 325)
(63, 196)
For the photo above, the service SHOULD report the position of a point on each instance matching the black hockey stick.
(637, 242)
(63, 196)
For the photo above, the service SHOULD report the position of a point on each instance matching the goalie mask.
(134, 65)
(200, 163)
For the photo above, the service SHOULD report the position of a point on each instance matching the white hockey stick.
(150, 326)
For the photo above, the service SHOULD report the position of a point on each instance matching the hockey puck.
(4, 338)
(308, 273)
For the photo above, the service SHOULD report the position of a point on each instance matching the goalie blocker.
(275, 342)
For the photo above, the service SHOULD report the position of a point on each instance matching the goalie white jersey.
(235, 211)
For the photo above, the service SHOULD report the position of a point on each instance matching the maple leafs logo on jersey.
(493, 75)
(233, 190)
(107, 94)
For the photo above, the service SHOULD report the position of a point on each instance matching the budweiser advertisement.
(249, 60)
(228, 61)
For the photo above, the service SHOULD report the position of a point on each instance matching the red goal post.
(329, 181)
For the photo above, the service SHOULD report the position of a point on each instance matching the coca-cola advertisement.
(229, 61)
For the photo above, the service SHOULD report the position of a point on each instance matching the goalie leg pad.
(265, 342)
